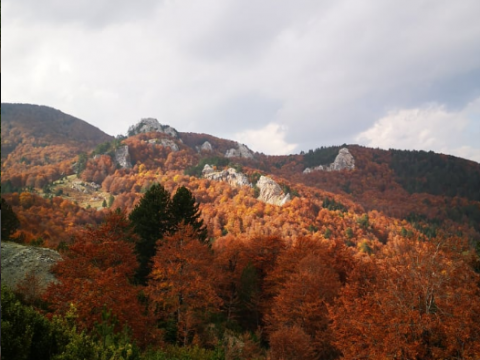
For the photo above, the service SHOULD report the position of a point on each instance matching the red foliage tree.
(418, 302)
(182, 283)
(95, 275)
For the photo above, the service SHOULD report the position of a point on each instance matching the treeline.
(421, 171)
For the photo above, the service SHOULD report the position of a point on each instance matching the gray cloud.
(88, 13)
(319, 72)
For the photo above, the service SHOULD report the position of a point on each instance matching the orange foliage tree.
(419, 301)
(182, 283)
(95, 275)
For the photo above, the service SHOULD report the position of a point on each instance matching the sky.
(278, 76)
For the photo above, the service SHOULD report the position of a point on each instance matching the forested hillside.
(168, 258)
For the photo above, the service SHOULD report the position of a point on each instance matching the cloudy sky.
(279, 76)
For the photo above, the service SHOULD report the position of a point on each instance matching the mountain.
(42, 145)
(298, 246)
(47, 126)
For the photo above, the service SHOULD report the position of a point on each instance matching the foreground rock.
(230, 176)
(271, 192)
(148, 125)
(18, 261)
(343, 161)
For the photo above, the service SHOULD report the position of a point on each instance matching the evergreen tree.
(151, 219)
(185, 209)
(10, 221)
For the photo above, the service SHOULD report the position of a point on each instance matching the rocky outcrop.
(165, 142)
(18, 261)
(343, 161)
(230, 176)
(149, 125)
(271, 192)
(241, 151)
(206, 147)
(122, 157)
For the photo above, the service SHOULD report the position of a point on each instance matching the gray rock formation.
(343, 161)
(240, 151)
(122, 157)
(149, 125)
(230, 176)
(206, 147)
(271, 192)
(18, 261)
(165, 142)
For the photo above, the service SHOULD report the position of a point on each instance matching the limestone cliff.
(149, 125)
(343, 161)
(122, 157)
(19, 260)
(241, 151)
(230, 176)
(271, 192)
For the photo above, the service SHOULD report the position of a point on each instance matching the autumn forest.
(162, 259)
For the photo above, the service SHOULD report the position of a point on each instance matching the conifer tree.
(185, 209)
(10, 221)
(151, 219)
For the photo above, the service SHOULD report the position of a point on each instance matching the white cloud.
(430, 127)
(269, 140)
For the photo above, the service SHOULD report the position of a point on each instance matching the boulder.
(19, 260)
(271, 192)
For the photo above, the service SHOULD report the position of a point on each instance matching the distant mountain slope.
(39, 144)
(48, 126)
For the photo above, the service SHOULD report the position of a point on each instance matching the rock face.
(240, 151)
(230, 176)
(165, 142)
(19, 260)
(343, 161)
(271, 192)
(206, 147)
(149, 125)
(122, 157)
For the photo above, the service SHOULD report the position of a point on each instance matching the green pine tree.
(185, 209)
(10, 221)
(151, 220)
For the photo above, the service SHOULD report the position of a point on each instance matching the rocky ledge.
(150, 124)
(241, 151)
(343, 161)
(230, 176)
